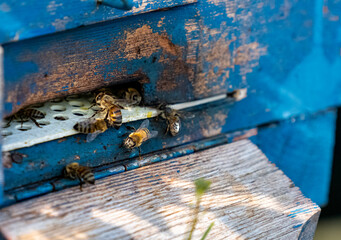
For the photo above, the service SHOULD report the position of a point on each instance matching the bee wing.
(185, 114)
(144, 124)
(122, 103)
(91, 136)
(152, 134)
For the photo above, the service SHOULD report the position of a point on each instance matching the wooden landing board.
(249, 199)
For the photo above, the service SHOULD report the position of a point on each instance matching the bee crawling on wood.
(92, 126)
(136, 138)
(8, 158)
(82, 173)
(173, 119)
(28, 113)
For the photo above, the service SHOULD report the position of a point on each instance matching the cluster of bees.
(107, 106)
(110, 115)
(107, 114)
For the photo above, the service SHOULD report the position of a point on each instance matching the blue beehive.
(285, 53)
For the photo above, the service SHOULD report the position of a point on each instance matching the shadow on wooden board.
(334, 208)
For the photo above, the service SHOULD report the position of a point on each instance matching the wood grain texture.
(249, 199)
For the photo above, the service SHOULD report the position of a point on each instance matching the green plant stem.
(195, 220)
(207, 231)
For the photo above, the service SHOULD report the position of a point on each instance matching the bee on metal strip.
(173, 119)
(82, 173)
(109, 110)
(92, 126)
(28, 113)
(131, 97)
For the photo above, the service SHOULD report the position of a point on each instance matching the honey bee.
(173, 119)
(92, 126)
(82, 173)
(136, 138)
(25, 114)
(109, 110)
(131, 96)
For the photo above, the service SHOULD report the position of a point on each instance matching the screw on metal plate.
(119, 4)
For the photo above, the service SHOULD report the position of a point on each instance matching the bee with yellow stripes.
(82, 173)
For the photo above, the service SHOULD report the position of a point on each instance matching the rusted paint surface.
(247, 134)
(247, 56)
(216, 48)
(213, 124)
(143, 42)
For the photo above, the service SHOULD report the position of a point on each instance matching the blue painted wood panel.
(303, 150)
(152, 49)
(225, 46)
(47, 160)
(32, 18)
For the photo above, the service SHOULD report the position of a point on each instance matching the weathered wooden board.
(53, 16)
(249, 199)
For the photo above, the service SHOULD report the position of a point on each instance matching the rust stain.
(212, 125)
(168, 79)
(161, 23)
(143, 42)
(167, 45)
(61, 140)
(63, 69)
(220, 60)
(248, 134)
(325, 10)
(247, 56)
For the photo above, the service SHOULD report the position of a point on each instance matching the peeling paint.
(4, 7)
(247, 56)
(60, 24)
(212, 125)
(160, 23)
(143, 42)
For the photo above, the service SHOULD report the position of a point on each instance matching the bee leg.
(22, 121)
(124, 135)
(9, 122)
(130, 128)
(140, 158)
(92, 105)
(80, 183)
(96, 113)
(35, 122)
(167, 129)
